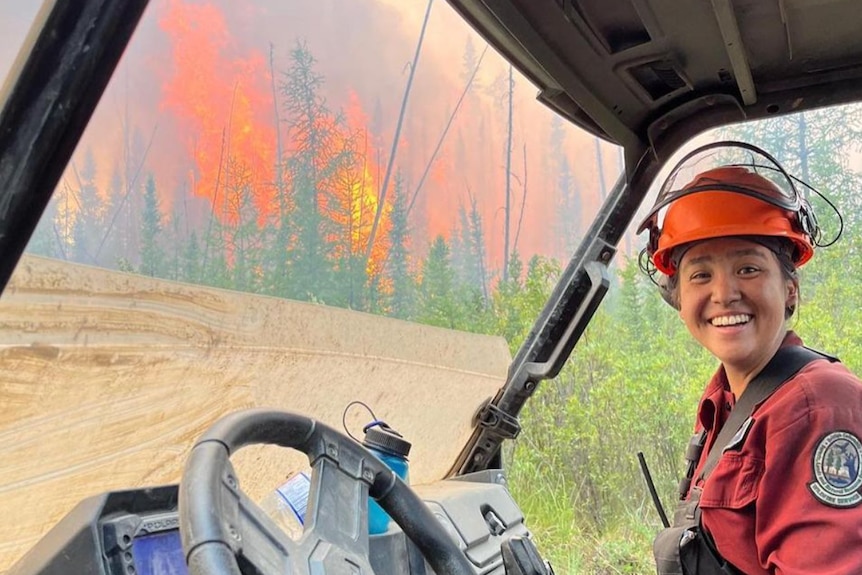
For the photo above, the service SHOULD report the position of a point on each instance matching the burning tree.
(316, 153)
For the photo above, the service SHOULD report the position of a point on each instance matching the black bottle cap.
(380, 436)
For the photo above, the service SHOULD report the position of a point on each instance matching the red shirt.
(787, 500)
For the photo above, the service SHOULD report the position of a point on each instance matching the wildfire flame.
(226, 104)
(222, 103)
(222, 89)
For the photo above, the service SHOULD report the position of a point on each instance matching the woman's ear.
(792, 298)
(792, 293)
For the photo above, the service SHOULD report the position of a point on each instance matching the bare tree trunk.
(439, 145)
(130, 182)
(508, 213)
(279, 177)
(603, 190)
(621, 166)
(802, 137)
(208, 237)
(397, 135)
(445, 131)
(523, 204)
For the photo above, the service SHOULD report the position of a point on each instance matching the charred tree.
(391, 163)
(508, 207)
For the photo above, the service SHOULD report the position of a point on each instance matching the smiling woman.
(732, 297)
(776, 447)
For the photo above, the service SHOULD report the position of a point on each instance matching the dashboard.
(136, 532)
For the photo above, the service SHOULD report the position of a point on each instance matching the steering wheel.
(224, 532)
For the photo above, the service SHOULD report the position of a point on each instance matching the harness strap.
(786, 363)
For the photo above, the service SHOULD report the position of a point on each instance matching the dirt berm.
(107, 379)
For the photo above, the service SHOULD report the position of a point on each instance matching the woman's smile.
(734, 320)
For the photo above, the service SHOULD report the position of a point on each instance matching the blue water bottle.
(392, 449)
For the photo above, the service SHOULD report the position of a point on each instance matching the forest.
(632, 383)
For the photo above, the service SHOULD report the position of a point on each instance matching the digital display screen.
(159, 554)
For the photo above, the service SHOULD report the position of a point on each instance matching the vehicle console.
(136, 532)
(129, 532)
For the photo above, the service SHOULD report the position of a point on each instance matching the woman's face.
(732, 297)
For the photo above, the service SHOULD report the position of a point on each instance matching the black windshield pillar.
(59, 78)
(573, 302)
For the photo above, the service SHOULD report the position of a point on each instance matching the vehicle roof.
(654, 73)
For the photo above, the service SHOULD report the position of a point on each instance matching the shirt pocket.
(733, 483)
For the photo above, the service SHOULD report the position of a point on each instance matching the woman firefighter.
(774, 483)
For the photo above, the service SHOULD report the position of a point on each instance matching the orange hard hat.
(726, 201)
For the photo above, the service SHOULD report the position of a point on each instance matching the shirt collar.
(717, 397)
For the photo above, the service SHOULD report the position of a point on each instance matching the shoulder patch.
(836, 470)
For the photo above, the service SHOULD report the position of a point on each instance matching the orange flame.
(221, 96)
(223, 104)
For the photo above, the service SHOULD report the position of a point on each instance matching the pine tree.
(214, 270)
(86, 230)
(152, 255)
(511, 318)
(468, 252)
(351, 203)
(110, 245)
(240, 228)
(568, 214)
(45, 240)
(131, 209)
(478, 277)
(459, 246)
(174, 256)
(438, 303)
(403, 295)
(309, 168)
(191, 260)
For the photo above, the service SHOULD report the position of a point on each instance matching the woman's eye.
(748, 270)
(698, 276)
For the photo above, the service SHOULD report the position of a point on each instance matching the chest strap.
(786, 363)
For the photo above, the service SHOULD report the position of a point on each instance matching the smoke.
(196, 77)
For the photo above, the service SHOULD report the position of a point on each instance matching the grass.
(570, 539)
